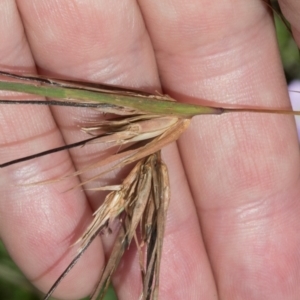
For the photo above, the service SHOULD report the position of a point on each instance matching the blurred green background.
(288, 49)
(14, 286)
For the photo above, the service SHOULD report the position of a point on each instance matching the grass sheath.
(142, 125)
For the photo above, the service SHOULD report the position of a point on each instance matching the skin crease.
(233, 224)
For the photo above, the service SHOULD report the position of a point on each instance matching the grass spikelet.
(140, 203)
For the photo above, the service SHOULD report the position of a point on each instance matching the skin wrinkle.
(165, 289)
(185, 221)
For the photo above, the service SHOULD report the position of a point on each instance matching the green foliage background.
(14, 286)
(288, 51)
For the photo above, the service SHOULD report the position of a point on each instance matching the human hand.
(232, 228)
